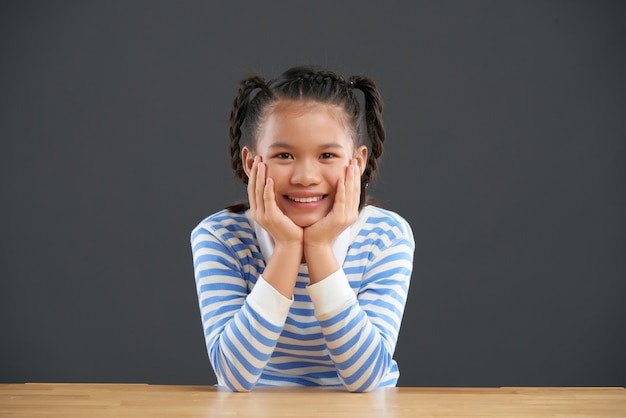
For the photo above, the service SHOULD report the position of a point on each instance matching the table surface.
(138, 400)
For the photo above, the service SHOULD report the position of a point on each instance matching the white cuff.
(269, 302)
(331, 294)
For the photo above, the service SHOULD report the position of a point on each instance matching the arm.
(361, 331)
(282, 269)
(360, 334)
(240, 329)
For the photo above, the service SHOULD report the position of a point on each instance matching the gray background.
(506, 152)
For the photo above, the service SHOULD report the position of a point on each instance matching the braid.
(237, 120)
(375, 128)
(311, 82)
(373, 122)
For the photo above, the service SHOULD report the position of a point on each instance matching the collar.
(340, 246)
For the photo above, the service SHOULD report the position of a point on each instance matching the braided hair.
(255, 98)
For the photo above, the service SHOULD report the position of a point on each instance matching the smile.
(305, 199)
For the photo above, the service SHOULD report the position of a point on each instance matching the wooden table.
(126, 400)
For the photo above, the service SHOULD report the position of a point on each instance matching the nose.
(305, 173)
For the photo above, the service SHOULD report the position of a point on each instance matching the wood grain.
(136, 400)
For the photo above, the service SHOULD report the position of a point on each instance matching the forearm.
(241, 326)
(361, 332)
(360, 353)
(321, 262)
(356, 346)
(281, 271)
(241, 344)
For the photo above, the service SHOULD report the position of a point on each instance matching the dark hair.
(255, 97)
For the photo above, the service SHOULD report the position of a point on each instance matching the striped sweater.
(340, 331)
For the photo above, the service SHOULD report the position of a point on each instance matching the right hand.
(265, 210)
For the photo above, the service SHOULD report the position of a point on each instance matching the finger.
(351, 187)
(252, 185)
(260, 187)
(269, 197)
(339, 206)
(355, 187)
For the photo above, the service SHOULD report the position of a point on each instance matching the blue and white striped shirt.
(340, 331)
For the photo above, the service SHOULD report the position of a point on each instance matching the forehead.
(298, 108)
(287, 120)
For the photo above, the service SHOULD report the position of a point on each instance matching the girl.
(307, 285)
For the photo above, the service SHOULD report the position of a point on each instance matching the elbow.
(369, 377)
(243, 389)
(229, 377)
(363, 385)
(360, 390)
(237, 386)
(235, 383)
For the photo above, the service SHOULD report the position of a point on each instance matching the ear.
(361, 157)
(247, 159)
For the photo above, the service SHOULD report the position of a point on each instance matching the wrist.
(317, 241)
(321, 262)
(289, 249)
(317, 248)
(281, 270)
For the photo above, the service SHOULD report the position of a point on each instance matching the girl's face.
(307, 147)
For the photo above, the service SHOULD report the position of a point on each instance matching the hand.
(266, 212)
(344, 212)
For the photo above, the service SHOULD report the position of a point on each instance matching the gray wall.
(506, 152)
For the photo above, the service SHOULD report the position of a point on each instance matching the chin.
(305, 221)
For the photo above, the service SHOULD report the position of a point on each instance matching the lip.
(302, 195)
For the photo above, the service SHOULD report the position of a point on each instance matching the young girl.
(307, 285)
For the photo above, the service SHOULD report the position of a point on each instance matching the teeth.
(305, 199)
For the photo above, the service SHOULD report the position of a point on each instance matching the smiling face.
(307, 147)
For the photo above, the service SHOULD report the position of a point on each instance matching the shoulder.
(225, 224)
(376, 221)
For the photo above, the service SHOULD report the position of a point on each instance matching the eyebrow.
(289, 146)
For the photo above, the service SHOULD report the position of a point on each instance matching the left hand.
(344, 212)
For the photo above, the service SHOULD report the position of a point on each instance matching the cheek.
(276, 172)
(334, 174)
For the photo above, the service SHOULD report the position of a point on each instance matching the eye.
(327, 155)
(283, 156)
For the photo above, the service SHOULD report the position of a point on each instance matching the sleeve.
(361, 331)
(241, 329)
